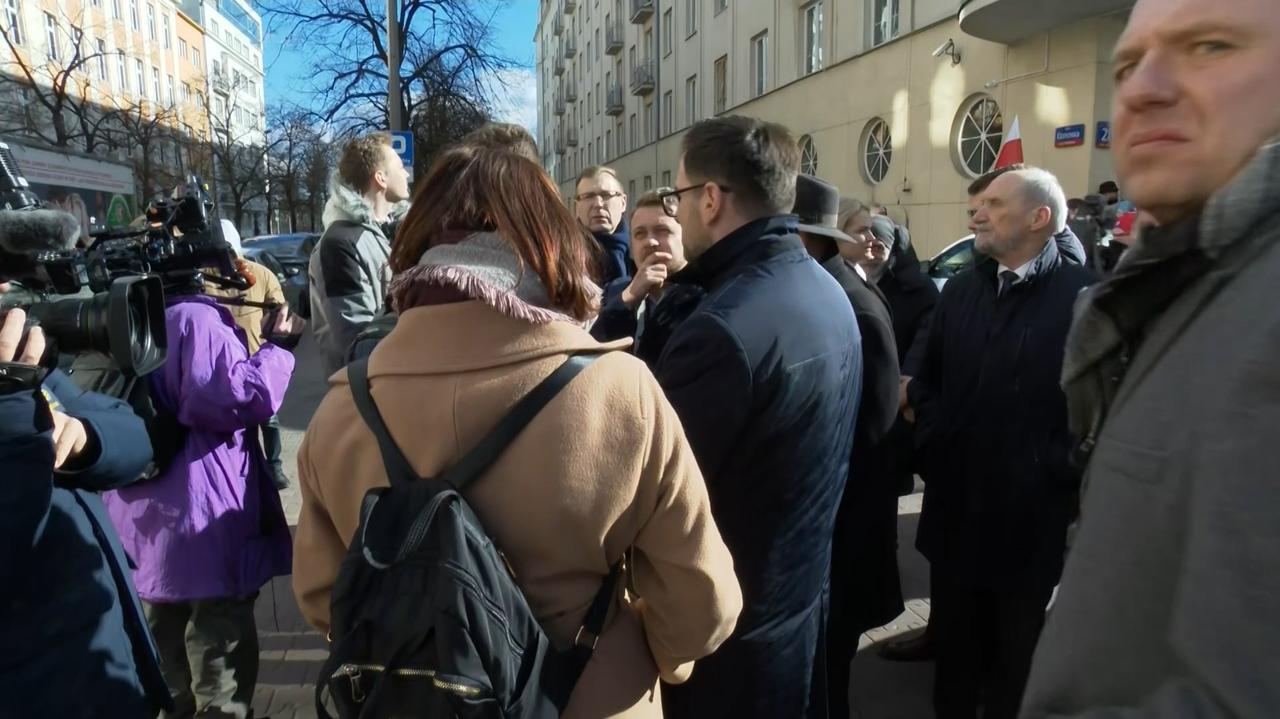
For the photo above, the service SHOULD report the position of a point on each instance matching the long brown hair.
(473, 189)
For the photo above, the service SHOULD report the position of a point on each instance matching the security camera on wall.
(948, 48)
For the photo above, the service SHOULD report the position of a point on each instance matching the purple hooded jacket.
(211, 526)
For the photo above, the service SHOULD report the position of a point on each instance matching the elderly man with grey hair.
(991, 425)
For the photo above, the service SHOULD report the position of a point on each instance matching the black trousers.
(985, 635)
(271, 445)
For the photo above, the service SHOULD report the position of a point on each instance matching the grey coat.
(349, 271)
(1167, 606)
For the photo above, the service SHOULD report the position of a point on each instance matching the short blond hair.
(598, 170)
(361, 158)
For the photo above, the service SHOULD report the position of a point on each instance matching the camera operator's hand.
(70, 438)
(283, 328)
(11, 338)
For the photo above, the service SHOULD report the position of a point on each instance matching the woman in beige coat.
(493, 293)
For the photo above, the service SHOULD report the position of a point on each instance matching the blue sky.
(515, 22)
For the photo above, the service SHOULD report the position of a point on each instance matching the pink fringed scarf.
(483, 267)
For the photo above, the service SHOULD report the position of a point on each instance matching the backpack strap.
(471, 466)
(399, 471)
(491, 447)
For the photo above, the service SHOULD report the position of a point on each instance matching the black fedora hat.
(818, 207)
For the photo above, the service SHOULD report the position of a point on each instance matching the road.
(292, 653)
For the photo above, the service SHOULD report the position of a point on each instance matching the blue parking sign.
(402, 143)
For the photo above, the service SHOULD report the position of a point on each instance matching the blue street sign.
(402, 143)
(1069, 136)
(1104, 135)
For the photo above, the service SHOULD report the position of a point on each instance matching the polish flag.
(1011, 150)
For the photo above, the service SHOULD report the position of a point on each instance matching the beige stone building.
(900, 102)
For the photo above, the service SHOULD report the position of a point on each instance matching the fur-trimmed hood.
(345, 203)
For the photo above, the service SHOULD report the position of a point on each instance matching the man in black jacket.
(648, 306)
(73, 639)
(992, 428)
(601, 207)
(865, 588)
(765, 377)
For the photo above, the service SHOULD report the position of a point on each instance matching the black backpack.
(95, 372)
(426, 618)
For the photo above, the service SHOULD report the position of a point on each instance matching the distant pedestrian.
(1168, 601)
(866, 590)
(994, 448)
(492, 289)
(601, 207)
(650, 305)
(349, 273)
(765, 376)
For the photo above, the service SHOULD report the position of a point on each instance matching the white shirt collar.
(1021, 272)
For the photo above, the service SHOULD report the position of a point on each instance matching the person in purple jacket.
(209, 531)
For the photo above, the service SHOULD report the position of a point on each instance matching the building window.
(691, 100)
(51, 36)
(634, 133)
(631, 188)
(182, 48)
(760, 64)
(186, 92)
(648, 182)
(608, 142)
(721, 6)
(812, 28)
(668, 113)
(102, 59)
(133, 15)
(173, 93)
(151, 21)
(666, 178)
(649, 120)
(13, 20)
(140, 76)
(155, 84)
(667, 23)
(808, 156)
(978, 135)
(165, 28)
(884, 21)
(115, 9)
(195, 57)
(721, 80)
(690, 17)
(120, 71)
(877, 151)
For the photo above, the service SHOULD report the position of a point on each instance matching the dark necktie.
(1007, 280)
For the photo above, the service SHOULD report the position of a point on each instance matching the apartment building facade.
(147, 60)
(899, 102)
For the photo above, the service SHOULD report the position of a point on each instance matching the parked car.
(285, 246)
(291, 273)
(957, 257)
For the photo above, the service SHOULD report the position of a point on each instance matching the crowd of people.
(772, 370)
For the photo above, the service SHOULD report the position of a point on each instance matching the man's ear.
(1042, 219)
(625, 205)
(713, 203)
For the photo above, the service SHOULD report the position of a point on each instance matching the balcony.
(570, 92)
(220, 82)
(559, 104)
(561, 145)
(558, 65)
(1012, 21)
(613, 38)
(570, 46)
(642, 78)
(557, 25)
(615, 102)
(641, 10)
(571, 137)
(569, 6)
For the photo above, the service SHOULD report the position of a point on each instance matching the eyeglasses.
(603, 196)
(671, 198)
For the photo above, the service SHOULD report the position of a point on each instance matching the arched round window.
(808, 156)
(877, 151)
(978, 136)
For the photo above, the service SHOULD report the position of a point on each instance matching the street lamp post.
(394, 118)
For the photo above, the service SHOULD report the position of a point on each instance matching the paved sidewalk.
(292, 653)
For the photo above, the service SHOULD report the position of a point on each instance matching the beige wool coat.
(605, 466)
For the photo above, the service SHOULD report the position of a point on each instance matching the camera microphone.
(31, 231)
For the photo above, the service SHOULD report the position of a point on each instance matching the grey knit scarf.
(481, 267)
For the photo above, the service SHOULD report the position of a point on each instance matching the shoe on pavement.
(280, 479)
(917, 648)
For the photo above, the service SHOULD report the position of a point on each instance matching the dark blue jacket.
(615, 253)
(73, 639)
(991, 422)
(651, 324)
(765, 376)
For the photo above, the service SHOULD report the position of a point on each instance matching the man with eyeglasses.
(765, 375)
(648, 306)
(601, 207)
